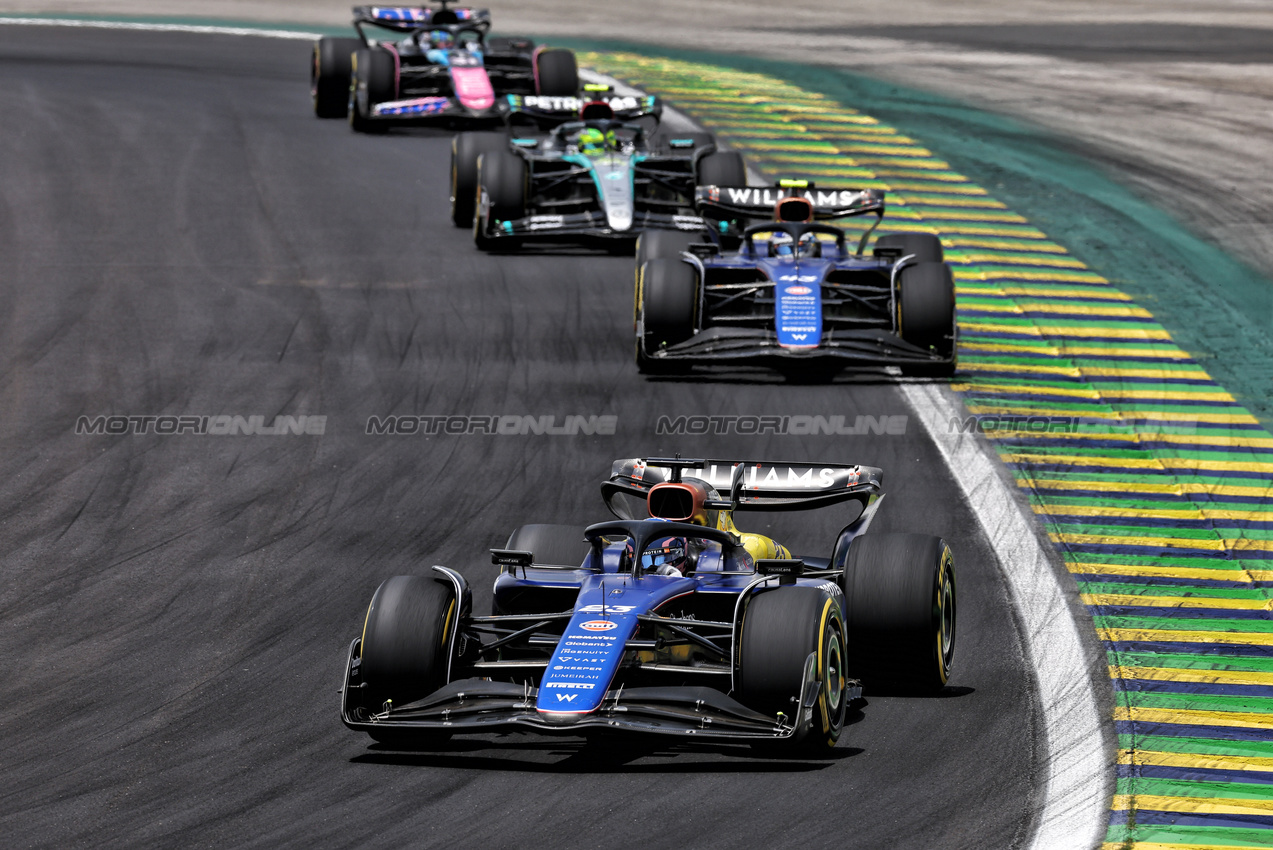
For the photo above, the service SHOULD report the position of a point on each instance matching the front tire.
(926, 314)
(373, 80)
(329, 73)
(667, 301)
(779, 630)
(406, 646)
(501, 176)
(900, 610)
(465, 150)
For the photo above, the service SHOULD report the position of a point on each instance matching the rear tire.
(926, 314)
(465, 149)
(556, 73)
(406, 646)
(900, 610)
(555, 545)
(373, 80)
(329, 71)
(779, 630)
(723, 168)
(667, 300)
(501, 175)
(925, 246)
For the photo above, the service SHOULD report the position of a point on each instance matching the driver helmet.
(665, 557)
(782, 245)
(441, 39)
(591, 141)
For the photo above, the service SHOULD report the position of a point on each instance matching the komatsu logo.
(756, 197)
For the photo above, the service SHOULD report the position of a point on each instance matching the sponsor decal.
(577, 686)
(416, 106)
(767, 197)
(687, 222)
(618, 609)
(574, 104)
(566, 697)
(599, 625)
(544, 222)
(798, 290)
(802, 278)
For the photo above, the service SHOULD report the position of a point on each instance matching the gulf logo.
(598, 625)
(798, 290)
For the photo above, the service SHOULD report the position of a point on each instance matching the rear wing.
(745, 485)
(546, 110)
(412, 18)
(828, 202)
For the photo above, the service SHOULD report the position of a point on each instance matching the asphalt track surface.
(179, 235)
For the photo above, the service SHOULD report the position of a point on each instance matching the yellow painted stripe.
(1141, 462)
(1176, 636)
(1158, 845)
(1130, 413)
(1265, 515)
(1094, 293)
(1178, 602)
(1240, 544)
(1059, 277)
(1203, 677)
(1192, 805)
(1179, 487)
(1202, 760)
(1021, 308)
(1202, 441)
(1033, 390)
(1234, 575)
(1072, 350)
(1063, 331)
(1196, 717)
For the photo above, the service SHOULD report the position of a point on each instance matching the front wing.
(745, 345)
(589, 224)
(481, 705)
(439, 110)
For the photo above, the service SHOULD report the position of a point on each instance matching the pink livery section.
(473, 87)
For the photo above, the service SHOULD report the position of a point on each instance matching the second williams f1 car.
(668, 620)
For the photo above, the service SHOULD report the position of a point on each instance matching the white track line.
(209, 29)
(1078, 784)
(1078, 773)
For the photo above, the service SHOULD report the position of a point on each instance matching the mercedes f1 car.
(768, 281)
(443, 70)
(609, 174)
(668, 620)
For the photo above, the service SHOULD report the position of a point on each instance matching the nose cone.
(614, 177)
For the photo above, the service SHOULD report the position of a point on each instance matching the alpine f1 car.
(668, 620)
(608, 174)
(442, 71)
(769, 282)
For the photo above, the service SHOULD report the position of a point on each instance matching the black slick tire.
(667, 301)
(405, 647)
(501, 175)
(899, 592)
(373, 80)
(329, 72)
(556, 73)
(780, 628)
(555, 545)
(722, 168)
(926, 314)
(465, 150)
(924, 246)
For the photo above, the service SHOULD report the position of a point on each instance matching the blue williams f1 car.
(769, 282)
(607, 174)
(443, 71)
(668, 620)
